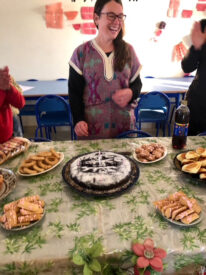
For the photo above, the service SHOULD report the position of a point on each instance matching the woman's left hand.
(122, 97)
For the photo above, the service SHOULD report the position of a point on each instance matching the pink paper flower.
(148, 255)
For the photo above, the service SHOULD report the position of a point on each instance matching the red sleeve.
(15, 98)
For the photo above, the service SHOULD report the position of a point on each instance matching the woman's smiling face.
(108, 24)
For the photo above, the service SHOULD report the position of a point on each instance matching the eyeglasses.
(112, 16)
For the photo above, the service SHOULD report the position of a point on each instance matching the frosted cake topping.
(100, 168)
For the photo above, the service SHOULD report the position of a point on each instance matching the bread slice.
(192, 168)
(184, 214)
(178, 211)
(202, 176)
(181, 157)
(200, 150)
(190, 218)
(169, 211)
(192, 155)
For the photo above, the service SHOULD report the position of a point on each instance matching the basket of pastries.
(179, 209)
(22, 213)
(13, 147)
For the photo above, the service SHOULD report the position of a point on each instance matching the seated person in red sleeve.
(9, 95)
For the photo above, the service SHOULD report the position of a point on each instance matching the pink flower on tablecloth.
(148, 255)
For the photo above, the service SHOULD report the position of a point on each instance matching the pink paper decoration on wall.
(87, 13)
(54, 16)
(173, 8)
(76, 26)
(201, 7)
(187, 13)
(88, 28)
(70, 15)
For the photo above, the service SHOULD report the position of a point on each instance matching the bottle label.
(181, 129)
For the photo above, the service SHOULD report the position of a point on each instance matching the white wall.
(31, 50)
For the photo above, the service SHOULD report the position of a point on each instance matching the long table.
(73, 221)
(173, 87)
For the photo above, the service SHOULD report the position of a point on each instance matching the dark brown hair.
(122, 54)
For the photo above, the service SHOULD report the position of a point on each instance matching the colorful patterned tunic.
(105, 118)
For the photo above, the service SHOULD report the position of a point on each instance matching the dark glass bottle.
(180, 132)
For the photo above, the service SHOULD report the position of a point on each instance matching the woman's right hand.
(197, 36)
(81, 129)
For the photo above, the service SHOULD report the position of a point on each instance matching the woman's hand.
(4, 78)
(197, 36)
(122, 97)
(81, 129)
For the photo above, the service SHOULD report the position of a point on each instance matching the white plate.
(148, 162)
(9, 182)
(179, 223)
(45, 171)
(25, 226)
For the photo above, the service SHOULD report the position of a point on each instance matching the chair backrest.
(133, 134)
(53, 105)
(154, 101)
(202, 134)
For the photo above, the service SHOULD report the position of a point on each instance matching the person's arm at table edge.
(76, 86)
(191, 60)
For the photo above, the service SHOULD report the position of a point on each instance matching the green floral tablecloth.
(71, 219)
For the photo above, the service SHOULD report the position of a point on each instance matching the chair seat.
(151, 115)
(54, 118)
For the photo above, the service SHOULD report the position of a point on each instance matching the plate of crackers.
(23, 213)
(179, 209)
(150, 153)
(40, 163)
(7, 182)
(192, 162)
(13, 147)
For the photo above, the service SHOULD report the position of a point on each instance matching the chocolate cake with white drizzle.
(101, 170)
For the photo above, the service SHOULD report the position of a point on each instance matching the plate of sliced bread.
(179, 209)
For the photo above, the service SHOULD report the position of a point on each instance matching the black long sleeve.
(191, 60)
(76, 86)
(136, 87)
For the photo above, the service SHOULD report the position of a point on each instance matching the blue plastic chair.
(28, 109)
(52, 111)
(133, 134)
(153, 107)
(202, 134)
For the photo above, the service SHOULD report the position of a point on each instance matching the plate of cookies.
(7, 182)
(192, 162)
(40, 163)
(179, 209)
(22, 213)
(150, 153)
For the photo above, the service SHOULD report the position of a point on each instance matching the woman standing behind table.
(196, 95)
(104, 77)
(9, 95)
